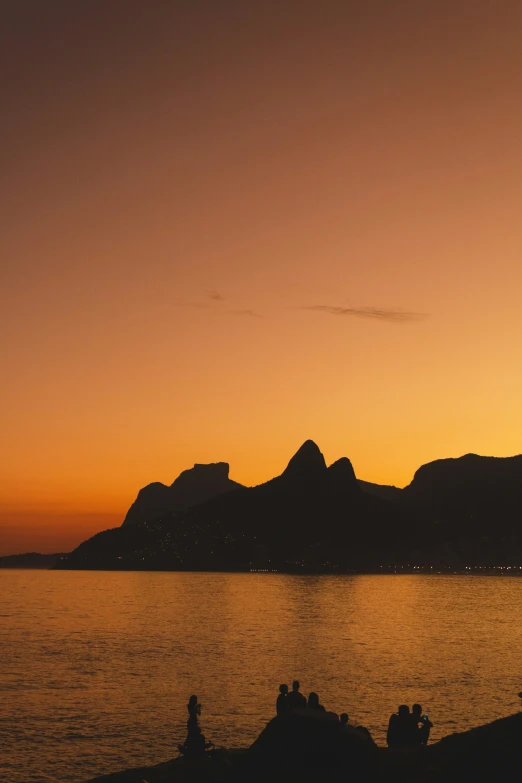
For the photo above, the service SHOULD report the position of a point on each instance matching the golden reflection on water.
(98, 666)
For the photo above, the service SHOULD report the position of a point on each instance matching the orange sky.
(182, 180)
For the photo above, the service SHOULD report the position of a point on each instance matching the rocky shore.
(487, 753)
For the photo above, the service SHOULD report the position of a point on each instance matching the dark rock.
(490, 752)
(304, 738)
(306, 748)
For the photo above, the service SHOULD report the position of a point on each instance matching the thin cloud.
(215, 295)
(392, 315)
(247, 313)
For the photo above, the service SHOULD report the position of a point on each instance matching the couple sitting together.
(407, 729)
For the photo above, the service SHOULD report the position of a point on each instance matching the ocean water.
(96, 667)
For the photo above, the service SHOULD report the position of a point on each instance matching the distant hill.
(470, 509)
(193, 486)
(314, 518)
(30, 560)
(467, 491)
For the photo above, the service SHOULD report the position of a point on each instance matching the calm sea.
(96, 667)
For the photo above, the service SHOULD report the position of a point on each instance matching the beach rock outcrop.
(304, 738)
(287, 744)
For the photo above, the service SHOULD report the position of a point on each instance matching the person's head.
(416, 710)
(403, 710)
(313, 700)
(283, 689)
(295, 685)
(344, 718)
(193, 701)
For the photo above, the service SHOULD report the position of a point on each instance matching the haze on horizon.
(231, 227)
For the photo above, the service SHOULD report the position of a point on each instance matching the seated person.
(422, 724)
(195, 744)
(313, 702)
(282, 701)
(402, 732)
(295, 698)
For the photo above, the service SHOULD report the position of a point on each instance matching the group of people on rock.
(408, 729)
(289, 700)
(405, 729)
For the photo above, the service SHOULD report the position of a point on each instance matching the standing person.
(422, 723)
(295, 698)
(282, 701)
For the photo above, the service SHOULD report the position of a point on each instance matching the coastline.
(488, 752)
(450, 572)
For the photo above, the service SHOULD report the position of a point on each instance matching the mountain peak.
(307, 461)
(191, 487)
(342, 467)
(341, 476)
(212, 471)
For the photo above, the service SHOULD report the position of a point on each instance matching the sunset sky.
(232, 225)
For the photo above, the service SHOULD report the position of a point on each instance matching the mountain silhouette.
(470, 506)
(30, 560)
(193, 486)
(310, 516)
(314, 518)
(306, 462)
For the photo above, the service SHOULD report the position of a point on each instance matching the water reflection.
(102, 663)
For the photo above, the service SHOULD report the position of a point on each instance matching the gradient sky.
(229, 226)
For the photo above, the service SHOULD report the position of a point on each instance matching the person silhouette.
(295, 698)
(195, 744)
(313, 702)
(281, 701)
(344, 718)
(421, 723)
(402, 731)
(194, 709)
